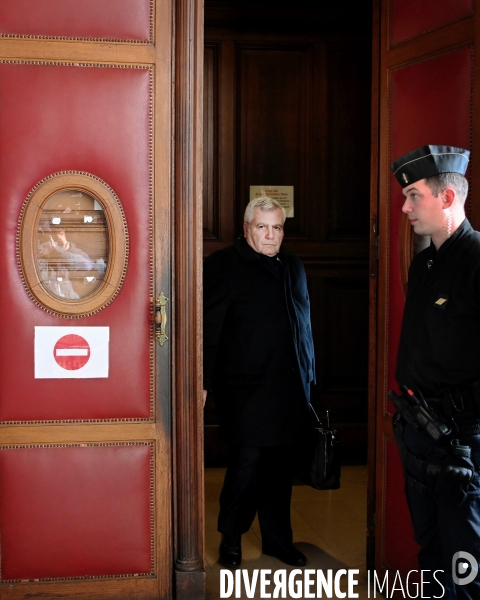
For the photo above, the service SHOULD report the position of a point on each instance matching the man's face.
(425, 211)
(265, 233)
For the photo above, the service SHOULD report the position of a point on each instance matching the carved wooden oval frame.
(117, 240)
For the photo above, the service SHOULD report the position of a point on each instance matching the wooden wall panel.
(218, 144)
(339, 299)
(274, 97)
(347, 161)
(210, 144)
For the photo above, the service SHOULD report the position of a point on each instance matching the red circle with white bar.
(71, 352)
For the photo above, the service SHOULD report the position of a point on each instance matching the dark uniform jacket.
(440, 341)
(258, 347)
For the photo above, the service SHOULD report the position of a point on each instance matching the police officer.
(439, 362)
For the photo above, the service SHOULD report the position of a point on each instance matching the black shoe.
(231, 550)
(288, 555)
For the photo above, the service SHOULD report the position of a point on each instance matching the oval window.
(73, 244)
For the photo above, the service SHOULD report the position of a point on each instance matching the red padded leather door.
(92, 119)
(84, 457)
(418, 48)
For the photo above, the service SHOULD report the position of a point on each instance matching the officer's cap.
(428, 161)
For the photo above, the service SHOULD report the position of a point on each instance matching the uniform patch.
(441, 301)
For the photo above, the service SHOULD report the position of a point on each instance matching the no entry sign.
(71, 352)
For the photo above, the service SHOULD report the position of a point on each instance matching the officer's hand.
(435, 460)
(455, 476)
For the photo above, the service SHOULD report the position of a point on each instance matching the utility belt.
(448, 466)
(459, 405)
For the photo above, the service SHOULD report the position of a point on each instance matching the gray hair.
(264, 203)
(439, 183)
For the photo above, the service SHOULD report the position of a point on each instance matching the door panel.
(409, 18)
(418, 114)
(85, 463)
(400, 550)
(80, 510)
(108, 19)
(424, 51)
(97, 120)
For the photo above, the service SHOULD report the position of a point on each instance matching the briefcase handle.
(327, 414)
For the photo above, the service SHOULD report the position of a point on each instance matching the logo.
(405, 178)
(464, 568)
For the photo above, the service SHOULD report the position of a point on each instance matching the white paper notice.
(282, 193)
(71, 352)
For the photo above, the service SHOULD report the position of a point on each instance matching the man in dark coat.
(439, 360)
(259, 363)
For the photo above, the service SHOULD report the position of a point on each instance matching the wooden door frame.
(187, 378)
(373, 316)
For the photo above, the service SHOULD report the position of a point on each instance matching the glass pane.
(72, 245)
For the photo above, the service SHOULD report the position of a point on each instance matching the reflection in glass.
(72, 245)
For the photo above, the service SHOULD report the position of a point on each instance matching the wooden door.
(86, 433)
(419, 52)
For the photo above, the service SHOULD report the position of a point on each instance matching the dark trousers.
(258, 480)
(441, 530)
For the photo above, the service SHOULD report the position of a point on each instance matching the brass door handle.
(160, 319)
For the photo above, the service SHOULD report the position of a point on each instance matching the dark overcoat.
(258, 347)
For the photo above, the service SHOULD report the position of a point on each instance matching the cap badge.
(405, 178)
